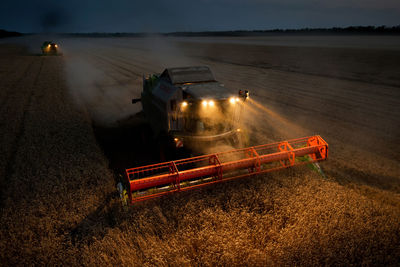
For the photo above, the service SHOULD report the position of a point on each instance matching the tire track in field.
(108, 90)
(359, 94)
(109, 70)
(105, 67)
(9, 168)
(141, 64)
(338, 90)
(288, 92)
(263, 66)
(116, 57)
(8, 65)
(140, 55)
(116, 66)
(15, 84)
(292, 94)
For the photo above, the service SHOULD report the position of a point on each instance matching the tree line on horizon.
(4, 33)
(334, 30)
(394, 30)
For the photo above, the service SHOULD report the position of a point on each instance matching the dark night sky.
(192, 15)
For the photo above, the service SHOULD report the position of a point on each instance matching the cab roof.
(197, 82)
(209, 90)
(196, 74)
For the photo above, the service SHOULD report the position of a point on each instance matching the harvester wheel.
(146, 134)
(166, 147)
(240, 140)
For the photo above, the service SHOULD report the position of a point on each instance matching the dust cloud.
(104, 74)
(166, 52)
(263, 124)
(106, 102)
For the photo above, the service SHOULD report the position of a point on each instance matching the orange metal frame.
(156, 180)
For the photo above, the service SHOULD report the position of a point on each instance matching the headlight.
(184, 104)
(232, 100)
(209, 103)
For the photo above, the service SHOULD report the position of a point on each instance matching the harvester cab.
(50, 48)
(187, 107)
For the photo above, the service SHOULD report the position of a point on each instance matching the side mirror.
(244, 94)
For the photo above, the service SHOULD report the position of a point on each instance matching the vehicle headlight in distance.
(211, 103)
(232, 100)
(204, 103)
(184, 104)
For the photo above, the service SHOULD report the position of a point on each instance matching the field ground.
(58, 203)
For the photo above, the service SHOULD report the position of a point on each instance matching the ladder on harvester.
(181, 175)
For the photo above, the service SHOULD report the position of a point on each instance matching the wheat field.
(59, 204)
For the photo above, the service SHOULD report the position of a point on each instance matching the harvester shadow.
(96, 223)
(126, 146)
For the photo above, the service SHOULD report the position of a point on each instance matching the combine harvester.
(50, 49)
(178, 106)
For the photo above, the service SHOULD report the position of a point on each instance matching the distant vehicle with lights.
(188, 108)
(50, 48)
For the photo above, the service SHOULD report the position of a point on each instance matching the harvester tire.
(166, 147)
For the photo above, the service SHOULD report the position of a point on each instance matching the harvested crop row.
(58, 175)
